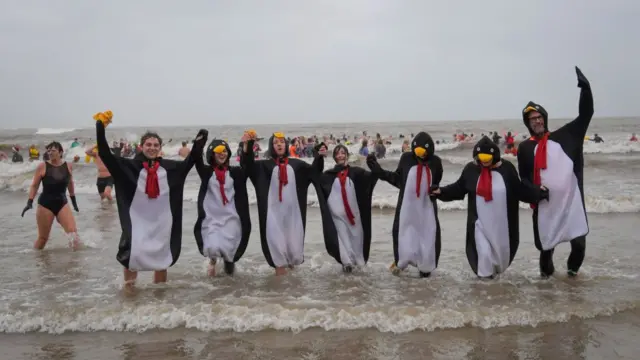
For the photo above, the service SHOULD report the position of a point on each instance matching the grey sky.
(224, 62)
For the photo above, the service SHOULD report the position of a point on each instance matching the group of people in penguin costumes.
(150, 190)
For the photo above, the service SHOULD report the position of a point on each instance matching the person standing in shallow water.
(554, 159)
(149, 199)
(281, 185)
(344, 193)
(56, 177)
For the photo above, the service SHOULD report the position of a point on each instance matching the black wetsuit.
(54, 187)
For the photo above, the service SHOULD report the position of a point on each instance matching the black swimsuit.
(54, 187)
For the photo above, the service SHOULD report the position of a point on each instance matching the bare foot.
(74, 243)
(281, 271)
(211, 269)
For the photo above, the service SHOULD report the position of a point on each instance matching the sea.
(60, 304)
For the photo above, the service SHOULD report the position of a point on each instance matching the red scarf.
(484, 185)
(422, 166)
(282, 174)
(540, 161)
(153, 187)
(221, 173)
(343, 176)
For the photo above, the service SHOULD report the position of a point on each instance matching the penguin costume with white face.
(416, 229)
(554, 160)
(149, 197)
(494, 191)
(281, 185)
(344, 193)
(224, 225)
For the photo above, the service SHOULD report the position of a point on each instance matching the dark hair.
(149, 135)
(56, 145)
(184, 143)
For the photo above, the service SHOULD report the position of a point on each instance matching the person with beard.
(494, 192)
(224, 225)
(149, 198)
(554, 159)
(344, 193)
(416, 228)
(281, 185)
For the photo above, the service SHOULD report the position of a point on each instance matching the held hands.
(583, 83)
(74, 203)
(28, 207)
(435, 190)
(249, 135)
(202, 137)
(373, 165)
(321, 149)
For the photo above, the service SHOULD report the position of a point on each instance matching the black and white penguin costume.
(416, 229)
(223, 226)
(555, 161)
(344, 194)
(281, 186)
(494, 192)
(151, 227)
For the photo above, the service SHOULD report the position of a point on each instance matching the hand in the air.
(582, 80)
(202, 136)
(372, 163)
(321, 149)
(28, 207)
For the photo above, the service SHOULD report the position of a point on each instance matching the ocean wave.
(50, 131)
(250, 315)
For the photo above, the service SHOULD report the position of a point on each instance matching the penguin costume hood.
(416, 229)
(281, 185)
(494, 191)
(223, 226)
(555, 160)
(531, 106)
(149, 198)
(344, 194)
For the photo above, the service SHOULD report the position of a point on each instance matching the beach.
(59, 304)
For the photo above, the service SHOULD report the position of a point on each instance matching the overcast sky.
(234, 61)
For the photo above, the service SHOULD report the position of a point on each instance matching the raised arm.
(579, 126)
(109, 160)
(247, 161)
(196, 152)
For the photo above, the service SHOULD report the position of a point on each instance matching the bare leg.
(281, 271)
(211, 270)
(160, 276)
(44, 219)
(68, 222)
(107, 194)
(129, 278)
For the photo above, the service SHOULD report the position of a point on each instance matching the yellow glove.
(104, 117)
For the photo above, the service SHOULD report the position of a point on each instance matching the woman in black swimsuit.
(56, 178)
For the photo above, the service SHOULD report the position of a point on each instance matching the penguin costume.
(149, 197)
(281, 185)
(554, 160)
(344, 193)
(416, 229)
(223, 226)
(494, 191)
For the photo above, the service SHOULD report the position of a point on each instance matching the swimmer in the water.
(105, 180)
(56, 177)
(184, 150)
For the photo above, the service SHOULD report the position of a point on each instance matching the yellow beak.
(278, 135)
(484, 158)
(530, 108)
(420, 151)
(219, 149)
